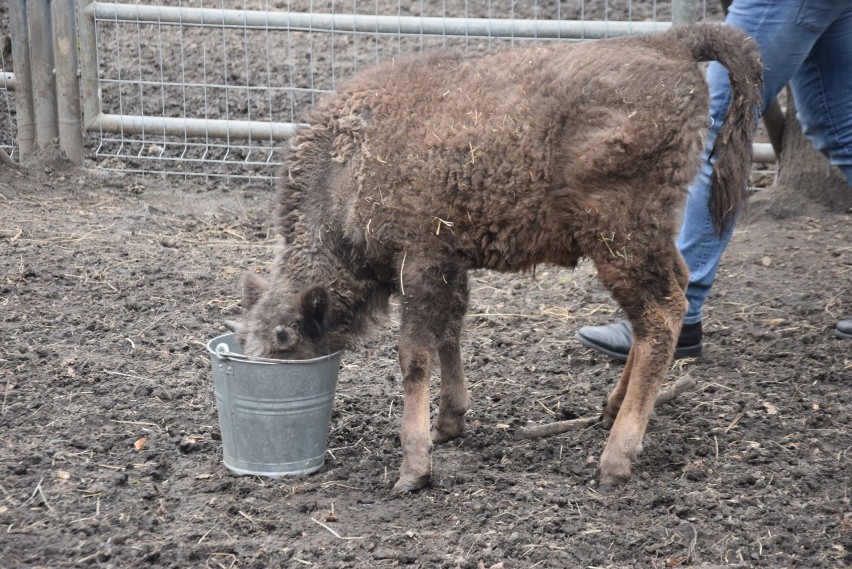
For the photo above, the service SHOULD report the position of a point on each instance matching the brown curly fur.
(421, 169)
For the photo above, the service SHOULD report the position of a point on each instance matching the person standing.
(808, 44)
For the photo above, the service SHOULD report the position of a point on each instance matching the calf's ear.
(313, 305)
(254, 286)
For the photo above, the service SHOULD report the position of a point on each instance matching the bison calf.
(419, 170)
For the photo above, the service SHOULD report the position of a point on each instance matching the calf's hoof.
(607, 484)
(445, 431)
(414, 473)
(608, 415)
(610, 486)
(440, 438)
(613, 473)
(410, 483)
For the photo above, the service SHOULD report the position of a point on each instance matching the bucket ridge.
(258, 406)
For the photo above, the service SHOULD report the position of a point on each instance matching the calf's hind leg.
(650, 289)
(613, 402)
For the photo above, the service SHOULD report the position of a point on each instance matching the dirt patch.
(110, 454)
(109, 444)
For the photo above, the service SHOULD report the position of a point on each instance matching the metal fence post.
(67, 84)
(43, 81)
(24, 109)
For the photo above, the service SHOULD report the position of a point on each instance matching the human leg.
(822, 88)
(786, 31)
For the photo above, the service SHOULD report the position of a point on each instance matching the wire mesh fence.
(7, 101)
(211, 87)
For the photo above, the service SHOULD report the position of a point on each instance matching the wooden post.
(24, 110)
(67, 82)
(43, 81)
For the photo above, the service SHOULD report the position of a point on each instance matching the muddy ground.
(110, 453)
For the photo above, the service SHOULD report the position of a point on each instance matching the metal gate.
(206, 87)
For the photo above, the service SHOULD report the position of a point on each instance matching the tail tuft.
(733, 145)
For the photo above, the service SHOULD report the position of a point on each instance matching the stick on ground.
(667, 394)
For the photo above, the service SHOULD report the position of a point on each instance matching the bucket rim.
(212, 349)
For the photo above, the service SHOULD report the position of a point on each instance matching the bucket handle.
(223, 353)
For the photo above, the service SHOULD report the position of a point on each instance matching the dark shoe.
(844, 329)
(615, 340)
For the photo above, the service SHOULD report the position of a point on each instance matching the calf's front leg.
(431, 321)
(613, 402)
(416, 468)
(455, 397)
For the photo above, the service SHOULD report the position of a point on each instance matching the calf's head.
(282, 323)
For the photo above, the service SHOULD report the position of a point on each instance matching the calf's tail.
(733, 145)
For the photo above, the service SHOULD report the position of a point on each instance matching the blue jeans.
(807, 43)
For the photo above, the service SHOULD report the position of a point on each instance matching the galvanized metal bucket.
(274, 415)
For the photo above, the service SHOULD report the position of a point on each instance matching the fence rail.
(375, 24)
(199, 90)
